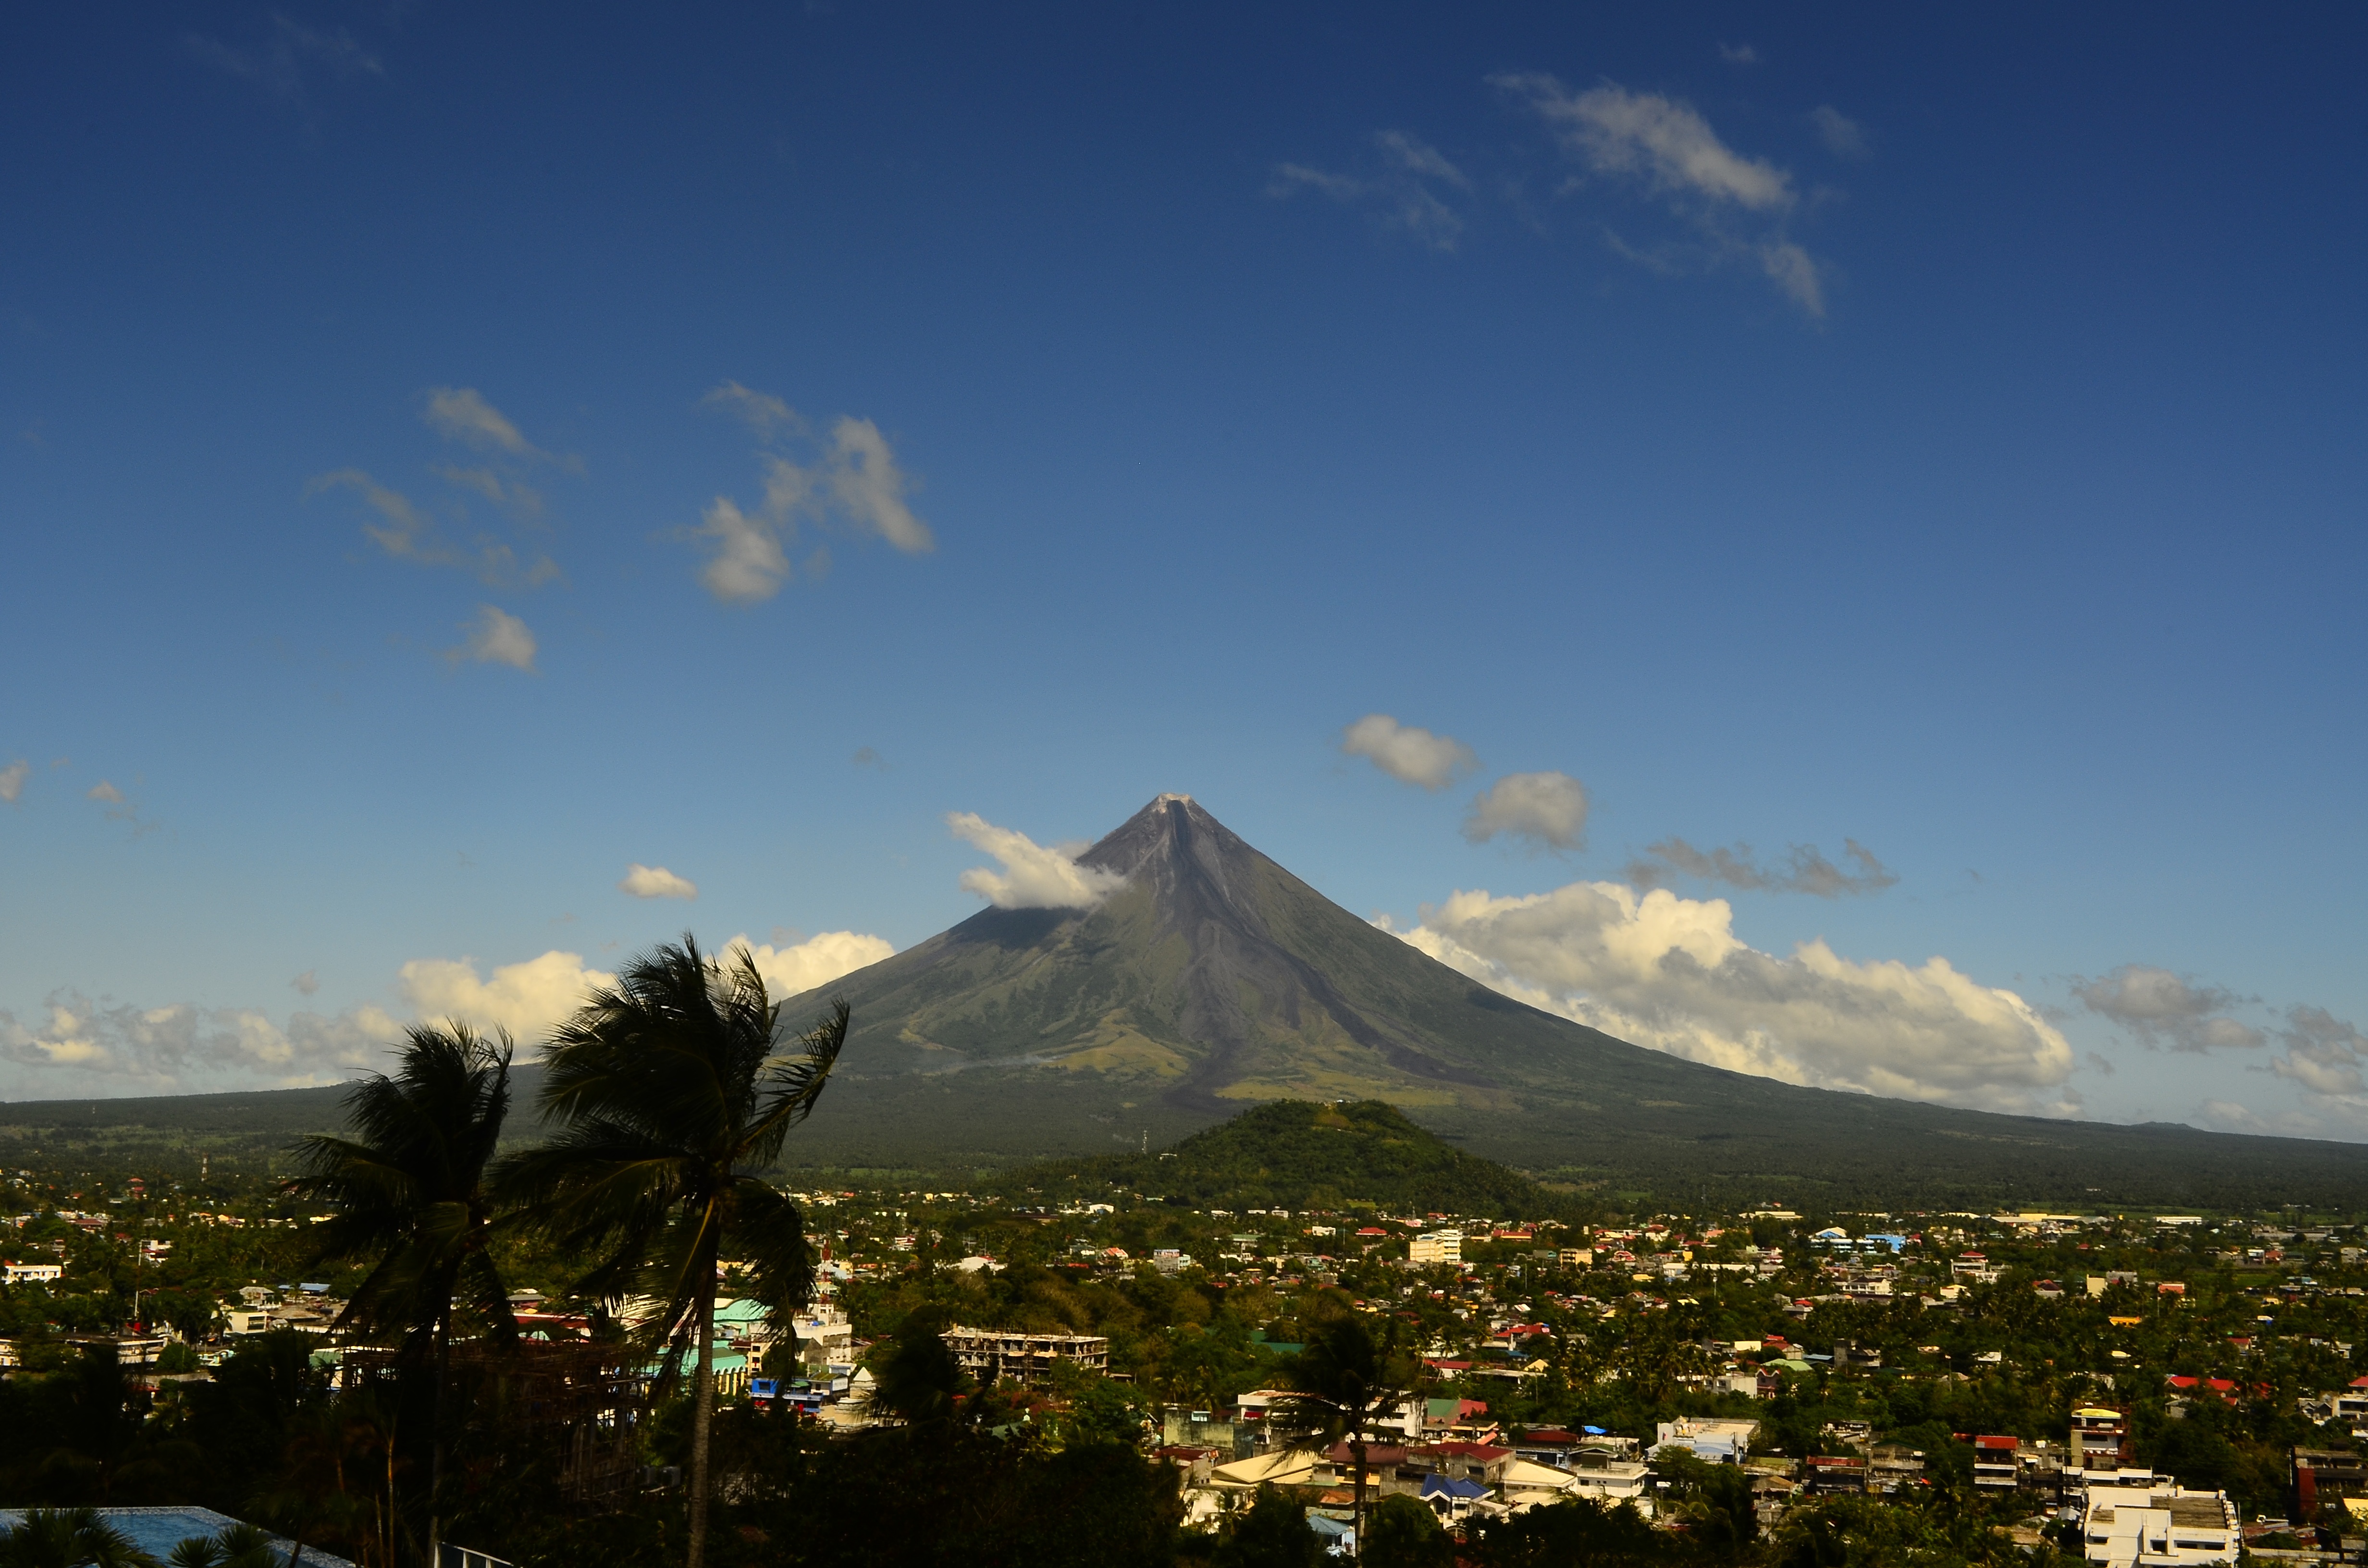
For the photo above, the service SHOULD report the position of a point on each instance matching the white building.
(2141, 1526)
(1714, 1442)
(33, 1273)
(1436, 1247)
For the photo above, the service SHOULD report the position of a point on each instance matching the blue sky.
(1939, 434)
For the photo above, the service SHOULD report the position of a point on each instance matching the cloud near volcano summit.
(1669, 973)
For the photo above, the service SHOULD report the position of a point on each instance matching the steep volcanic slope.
(1215, 977)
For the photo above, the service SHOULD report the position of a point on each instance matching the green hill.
(1298, 1154)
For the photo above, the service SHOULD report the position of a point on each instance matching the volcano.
(1213, 979)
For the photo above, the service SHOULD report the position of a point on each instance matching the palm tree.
(1344, 1383)
(673, 1093)
(411, 1189)
(65, 1538)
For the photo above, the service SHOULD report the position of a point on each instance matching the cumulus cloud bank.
(1669, 973)
(82, 1046)
(1407, 753)
(1807, 870)
(1034, 876)
(656, 882)
(853, 479)
(1547, 809)
(2165, 1010)
(119, 1047)
(817, 960)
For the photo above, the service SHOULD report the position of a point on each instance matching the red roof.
(2007, 1443)
(1485, 1453)
(1551, 1435)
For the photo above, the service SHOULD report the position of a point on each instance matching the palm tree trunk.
(1357, 1442)
(436, 1440)
(702, 1413)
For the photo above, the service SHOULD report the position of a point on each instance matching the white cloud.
(525, 998)
(748, 564)
(866, 481)
(1666, 146)
(88, 1044)
(496, 636)
(306, 984)
(407, 533)
(12, 781)
(2326, 1055)
(855, 479)
(1842, 136)
(1034, 876)
(2163, 1009)
(1669, 973)
(1807, 869)
(1661, 141)
(819, 960)
(105, 792)
(761, 411)
(1407, 752)
(656, 882)
(1738, 54)
(1399, 191)
(1417, 157)
(288, 56)
(1549, 808)
(462, 414)
(1793, 270)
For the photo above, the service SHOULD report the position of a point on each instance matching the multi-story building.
(2140, 1526)
(2099, 1440)
(1436, 1247)
(992, 1356)
(2323, 1476)
(1995, 1461)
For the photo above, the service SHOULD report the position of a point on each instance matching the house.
(1832, 1474)
(2150, 1525)
(1994, 1461)
(33, 1273)
(1607, 1475)
(1714, 1442)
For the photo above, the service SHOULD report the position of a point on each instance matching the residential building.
(31, 1273)
(1436, 1247)
(1994, 1461)
(1714, 1442)
(2323, 1476)
(2149, 1525)
(1829, 1474)
(992, 1356)
(1605, 1475)
(2099, 1440)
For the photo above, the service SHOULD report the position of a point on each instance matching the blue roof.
(1446, 1486)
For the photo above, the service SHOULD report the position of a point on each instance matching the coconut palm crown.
(672, 1089)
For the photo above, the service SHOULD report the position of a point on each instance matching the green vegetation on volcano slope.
(1299, 1154)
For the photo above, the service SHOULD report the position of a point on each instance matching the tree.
(1343, 1383)
(1401, 1533)
(672, 1092)
(1272, 1532)
(411, 1188)
(69, 1538)
(916, 1378)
